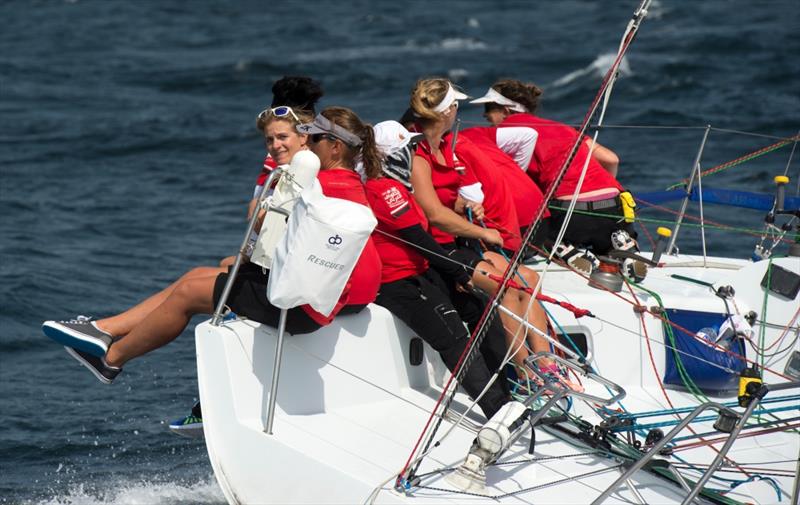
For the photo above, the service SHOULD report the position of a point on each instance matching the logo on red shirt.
(396, 202)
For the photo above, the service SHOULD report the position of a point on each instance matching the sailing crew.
(497, 146)
(513, 103)
(105, 345)
(411, 286)
(436, 176)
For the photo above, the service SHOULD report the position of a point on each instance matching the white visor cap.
(492, 96)
(451, 96)
(391, 136)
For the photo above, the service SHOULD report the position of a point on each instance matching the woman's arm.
(605, 157)
(435, 254)
(440, 216)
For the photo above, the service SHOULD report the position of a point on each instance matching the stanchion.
(276, 369)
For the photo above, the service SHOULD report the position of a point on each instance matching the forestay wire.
(516, 260)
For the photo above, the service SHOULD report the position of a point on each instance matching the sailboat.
(690, 394)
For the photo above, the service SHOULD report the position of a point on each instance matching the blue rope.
(683, 410)
(733, 482)
(673, 422)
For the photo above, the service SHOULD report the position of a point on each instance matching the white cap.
(451, 96)
(492, 96)
(391, 136)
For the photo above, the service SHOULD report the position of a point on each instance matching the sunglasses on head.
(281, 111)
(315, 138)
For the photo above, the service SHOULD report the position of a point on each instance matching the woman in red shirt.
(435, 178)
(512, 103)
(104, 346)
(411, 286)
(340, 139)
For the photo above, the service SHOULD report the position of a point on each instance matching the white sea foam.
(451, 44)
(597, 68)
(140, 493)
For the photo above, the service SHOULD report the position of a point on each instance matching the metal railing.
(741, 420)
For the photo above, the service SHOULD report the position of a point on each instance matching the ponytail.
(371, 158)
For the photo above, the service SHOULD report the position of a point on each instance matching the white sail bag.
(314, 258)
(296, 176)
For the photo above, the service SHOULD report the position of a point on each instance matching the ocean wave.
(597, 68)
(139, 493)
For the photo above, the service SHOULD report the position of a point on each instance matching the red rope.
(578, 312)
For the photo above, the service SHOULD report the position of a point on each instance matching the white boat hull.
(350, 406)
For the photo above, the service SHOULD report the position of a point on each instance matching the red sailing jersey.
(446, 181)
(498, 204)
(552, 148)
(527, 195)
(395, 210)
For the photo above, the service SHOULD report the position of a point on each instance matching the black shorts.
(248, 298)
(463, 254)
(590, 231)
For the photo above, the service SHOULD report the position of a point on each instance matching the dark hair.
(371, 157)
(526, 94)
(407, 119)
(298, 92)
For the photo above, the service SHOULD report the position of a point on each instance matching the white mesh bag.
(322, 243)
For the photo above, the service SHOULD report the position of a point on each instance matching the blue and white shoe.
(190, 426)
(80, 333)
(104, 372)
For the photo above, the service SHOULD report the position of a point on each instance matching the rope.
(490, 311)
(658, 378)
(741, 159)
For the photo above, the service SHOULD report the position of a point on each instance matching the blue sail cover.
(728, 197)
(697, 357)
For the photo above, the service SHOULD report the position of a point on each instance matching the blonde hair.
(371, 157)
(427, 94)
(263, 120)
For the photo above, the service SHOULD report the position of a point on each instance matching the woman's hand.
(491, 237)
(477, 210)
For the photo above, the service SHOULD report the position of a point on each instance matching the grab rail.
(741, 419)
(217, 318)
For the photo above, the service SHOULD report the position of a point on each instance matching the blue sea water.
(128, 153)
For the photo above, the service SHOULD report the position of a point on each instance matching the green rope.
(749, 231)
(684, 375)
(692, 280)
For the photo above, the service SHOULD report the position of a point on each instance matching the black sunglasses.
(317, 137)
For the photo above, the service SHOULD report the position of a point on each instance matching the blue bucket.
(696, 355)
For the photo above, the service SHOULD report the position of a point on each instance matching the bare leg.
(121, 324)
(536, 314)
(515, 332)
(164, 323)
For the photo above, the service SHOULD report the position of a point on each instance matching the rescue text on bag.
(315, 257)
